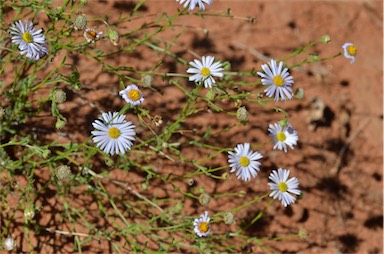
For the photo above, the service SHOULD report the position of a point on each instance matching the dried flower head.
(204, 199)
(59, 96)
(80, 21)
(63, 172)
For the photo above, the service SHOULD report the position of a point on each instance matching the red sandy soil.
(338, 163)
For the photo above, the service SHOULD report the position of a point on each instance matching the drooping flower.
(31, 42)
(283, 136)
(203, 71)
(113, 133)
(132, 95)
(282, 187)
(202, 226)
(278, 81)
(92, 35)
(191, 4)
(245, 161)
(350, 51)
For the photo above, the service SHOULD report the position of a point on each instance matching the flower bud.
(29, 212)
(242, 114)
(283, 122)
(299, 94)
(114, 37)
(60, 123)
(326, 38)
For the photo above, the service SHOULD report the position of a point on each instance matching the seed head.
(63, 172)
(80, 21)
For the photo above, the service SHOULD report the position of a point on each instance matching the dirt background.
(338, 160)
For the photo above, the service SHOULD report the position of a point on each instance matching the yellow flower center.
(205, 71)
(27, 37)
(134, 95)
(281, 136)
(114, 132)
(283, 187)
(278, 80)
(203, 227)
(352, 50)
(92, 34)
(244, 161)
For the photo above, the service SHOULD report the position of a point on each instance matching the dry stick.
(67, 233)
(125, 185)
(336, 169)
(253, 51)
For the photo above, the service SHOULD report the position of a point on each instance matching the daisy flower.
(113, 134)
(282, 187)
(132, 95)
(192, 3)
(244, 160)
(92, 35)
(278, 80)
(350, 51)
(202, 226)
(31, 42)
(205, 70)
(283, 136)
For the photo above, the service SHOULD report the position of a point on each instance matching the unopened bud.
(29, 212)
(225, 176)
(108, 161)
(242, 114)
(283, 122)
(299, 94)
(60, 123)
(114, 37)
(325, 39)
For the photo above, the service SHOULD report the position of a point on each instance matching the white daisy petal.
(349, 51)
(282, 187)
(203, 71)
(244, 160)
(277, 80)
(31, 42)
(283, 136)
(132, 95)
(113, 134)
(202, 226)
